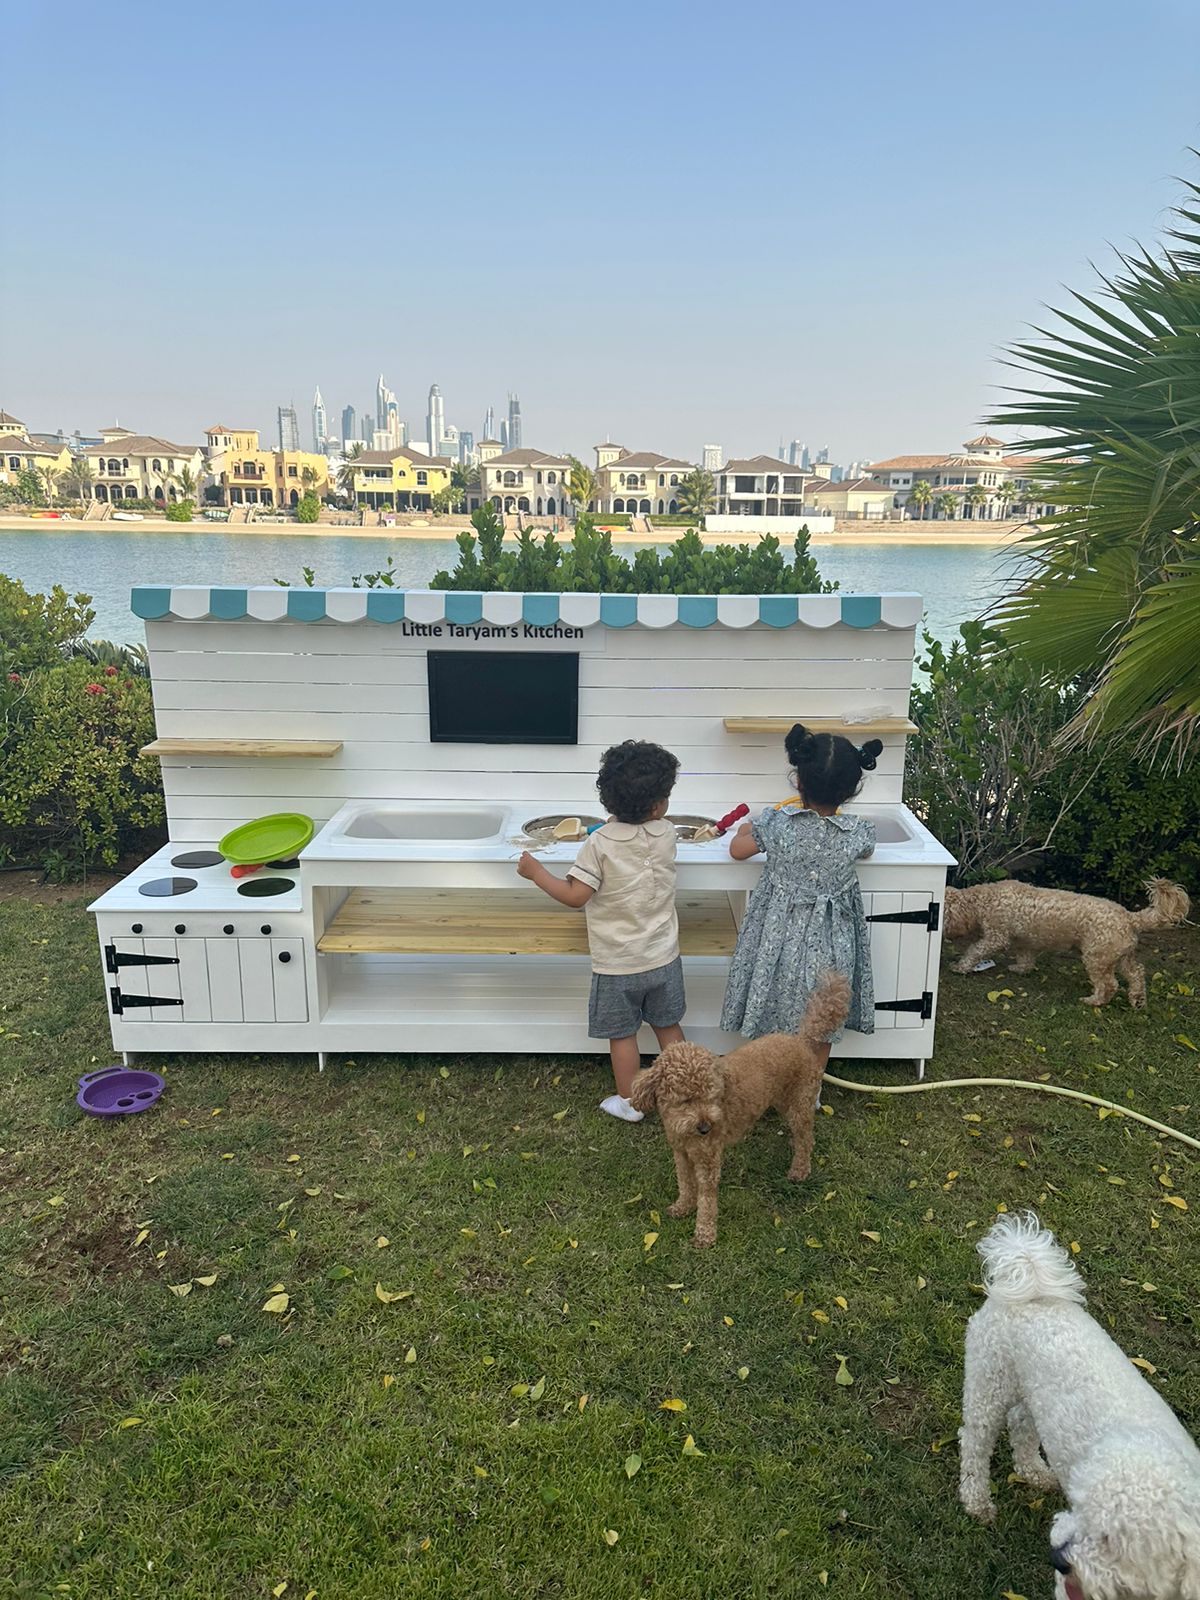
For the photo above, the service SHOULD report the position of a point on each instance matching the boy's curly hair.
(634, 778)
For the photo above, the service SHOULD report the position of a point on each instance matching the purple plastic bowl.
(118, 1091)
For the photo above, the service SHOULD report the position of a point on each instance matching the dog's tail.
(1023, 1261)
(828, 1007)
(1169, 904)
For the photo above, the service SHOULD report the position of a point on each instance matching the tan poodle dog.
(1025, 920)
(709, 1102)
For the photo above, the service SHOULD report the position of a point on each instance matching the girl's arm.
(743, 845)
(568, 893)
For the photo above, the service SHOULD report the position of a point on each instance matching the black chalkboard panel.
(503, 697)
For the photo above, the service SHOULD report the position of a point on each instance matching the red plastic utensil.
(735, 815)
(244, 872)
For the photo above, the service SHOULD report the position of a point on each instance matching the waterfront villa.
(641, 482)
(984, 480)
(851, 500)
(400, 479)
(525, 480)
(763, 486)
(244, 474)
(19, 453)
(140, 466)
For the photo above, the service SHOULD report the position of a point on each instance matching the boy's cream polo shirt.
(631, 920)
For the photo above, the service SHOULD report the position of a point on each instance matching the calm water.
(957, 583)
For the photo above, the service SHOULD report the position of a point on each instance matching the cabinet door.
(287, 965)
(138, 972)
(258, 996)
(901, 949)
(224, 979)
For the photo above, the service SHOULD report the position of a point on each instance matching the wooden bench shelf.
(819, 725)
(497, 922)
(243, 747)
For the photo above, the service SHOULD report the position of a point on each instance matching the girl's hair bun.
(800, 744)
(867, 754)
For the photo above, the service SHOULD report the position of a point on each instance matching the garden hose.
(1012, 1083)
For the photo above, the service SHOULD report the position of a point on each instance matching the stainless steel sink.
(442, 823)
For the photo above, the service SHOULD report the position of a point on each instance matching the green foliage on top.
(180, 511)
(308, 507)
(35, 628)
(1114, 408)
(589, 564)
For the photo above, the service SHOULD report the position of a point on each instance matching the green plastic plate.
(275, 838)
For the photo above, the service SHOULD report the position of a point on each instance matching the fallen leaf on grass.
(867, 1234)
(1182, 1038)
(388, 1296)
(141, 1238)
(610, 1537)
(313, 1192)
(389, 1379)
(649, 1240)
(131, 1422)
(844, 1376)
(481, 1472)
(410, 1356)
(743, 1373)
(538, 1389)
(728, 1321)
(1175, 1200)
(690, 1447)
(559, 1115)
(338, 1273)
(293, 1158)
(277, 1304)
(207, 1281)
(840, 1300)
(583, 1400)
(1146, 1366)
(673, 1405)
(519, 1391)
(549, 1494)
(180, 1289)
(1011, 1594)
(280, 1588)
(819, 1316)
(382, 1242)
(633, 1465)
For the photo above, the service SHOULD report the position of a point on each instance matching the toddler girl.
(806, 916)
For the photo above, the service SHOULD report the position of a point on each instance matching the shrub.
(74, 791)
(35, 628)
(180, 511)
(308, 508)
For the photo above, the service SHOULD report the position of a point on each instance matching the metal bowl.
(686, 826)
(541, 829)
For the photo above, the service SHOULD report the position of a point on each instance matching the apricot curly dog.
(1025, 920)
(709, 1102)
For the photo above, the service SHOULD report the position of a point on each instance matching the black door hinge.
(114, 959)
(127, 1002)
(923, 1005)
(929, 918)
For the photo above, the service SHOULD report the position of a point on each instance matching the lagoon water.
(957, 582)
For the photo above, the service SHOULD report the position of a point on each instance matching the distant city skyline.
(814, 291)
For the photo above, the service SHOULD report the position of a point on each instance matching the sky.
(668, 223)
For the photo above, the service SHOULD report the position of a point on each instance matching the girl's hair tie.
(867, 754)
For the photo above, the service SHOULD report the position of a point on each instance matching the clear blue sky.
(674, 221)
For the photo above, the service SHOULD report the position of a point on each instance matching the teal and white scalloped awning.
(197, 603)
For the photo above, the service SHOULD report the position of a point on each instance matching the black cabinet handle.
(135, 927)
(285, 955)
(228, 928)
(266, 928)
(181, 927)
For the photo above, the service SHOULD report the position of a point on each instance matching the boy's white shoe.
(617, 1106)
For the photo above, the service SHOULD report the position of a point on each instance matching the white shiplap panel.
(656, 703)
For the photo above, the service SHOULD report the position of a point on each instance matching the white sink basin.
(446, 823)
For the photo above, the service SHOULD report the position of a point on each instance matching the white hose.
(1011, 1083)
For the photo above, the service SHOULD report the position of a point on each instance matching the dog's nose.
(703, 1127)
(1058, 1560)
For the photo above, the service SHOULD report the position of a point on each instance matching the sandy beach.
(853, 533)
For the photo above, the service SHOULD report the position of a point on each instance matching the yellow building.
(401, 479)
(244, 474)
(19, 453)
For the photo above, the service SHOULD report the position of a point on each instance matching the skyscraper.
(320, 425)
(489, 423)
(449, 442)
(514, 422)
(797, 453)
(504, 435)
(823, 453)
(713, 458)
(435, 421)
(349, 425)
(289, 428)
(466, 447)
(382, 395)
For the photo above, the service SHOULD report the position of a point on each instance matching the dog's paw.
(981, 1510)
(799, 1174)
(702, 1238)
(680, 1208)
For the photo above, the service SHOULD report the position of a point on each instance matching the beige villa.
(19, 453)
(641, 481)
(140, 466)
(985, 479)
(525, 480)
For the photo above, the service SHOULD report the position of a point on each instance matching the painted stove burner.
(163, 888)
(261, 888)
(199, 858)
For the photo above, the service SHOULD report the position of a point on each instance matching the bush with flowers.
(74, 791)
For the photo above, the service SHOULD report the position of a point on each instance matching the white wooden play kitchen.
(432, 736)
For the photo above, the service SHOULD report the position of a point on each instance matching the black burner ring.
(163, 888)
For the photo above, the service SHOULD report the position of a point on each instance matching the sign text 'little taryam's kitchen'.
(488, 630)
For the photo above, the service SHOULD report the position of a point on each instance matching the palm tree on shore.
(346, 470)
(581, 485)
(945, 505)
(48, 478)
(921, 497)
(189, 484)
(976, 497)
(78, 478)
(697, 494)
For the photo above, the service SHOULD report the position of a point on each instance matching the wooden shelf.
(497, 922)
(819, 725)
(243, 747)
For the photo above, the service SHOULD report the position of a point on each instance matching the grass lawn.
(498, 1426)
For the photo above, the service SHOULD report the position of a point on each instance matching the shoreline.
(913, 533)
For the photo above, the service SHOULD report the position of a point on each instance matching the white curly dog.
(1128, 1469)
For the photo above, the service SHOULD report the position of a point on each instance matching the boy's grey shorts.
(621, 1001)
